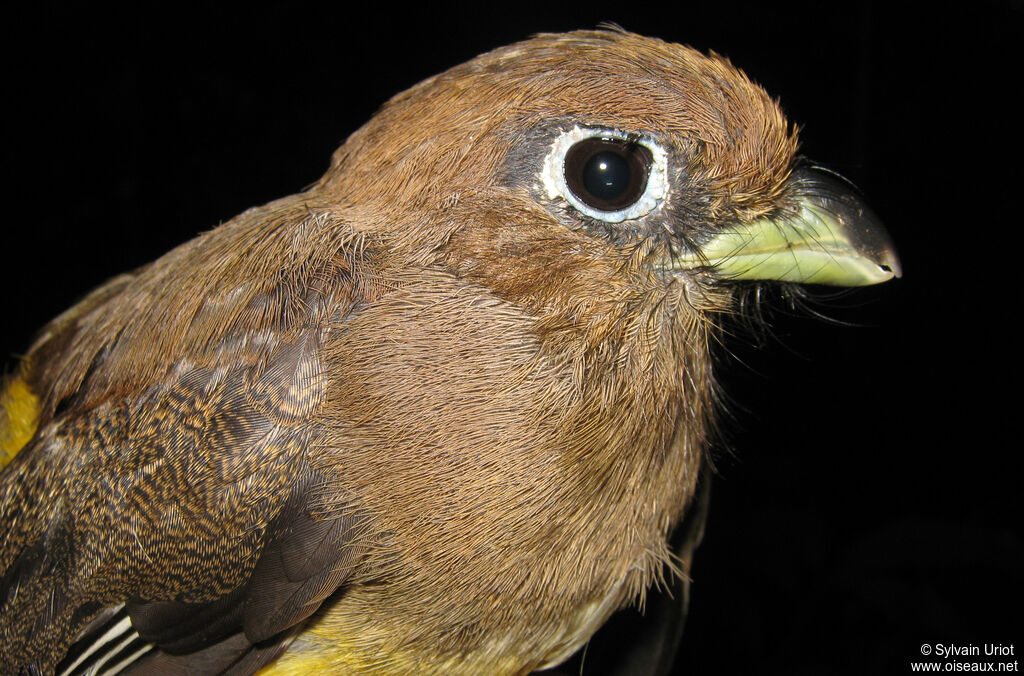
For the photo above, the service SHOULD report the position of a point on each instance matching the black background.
(871, 500)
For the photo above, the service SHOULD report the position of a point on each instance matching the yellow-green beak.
(829, 236)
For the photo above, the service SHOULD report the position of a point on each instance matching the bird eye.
(606, 174)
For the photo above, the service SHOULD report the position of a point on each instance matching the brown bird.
(439, 413)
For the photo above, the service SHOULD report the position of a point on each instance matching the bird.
(438, 413)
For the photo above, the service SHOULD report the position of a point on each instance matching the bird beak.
(828, 236)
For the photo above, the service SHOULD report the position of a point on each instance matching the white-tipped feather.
(106, 647)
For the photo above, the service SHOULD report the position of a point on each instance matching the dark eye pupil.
(607, 174)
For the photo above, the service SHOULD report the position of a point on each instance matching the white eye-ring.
(606, 174)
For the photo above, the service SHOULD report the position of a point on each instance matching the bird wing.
(192, 495)
(303, 561)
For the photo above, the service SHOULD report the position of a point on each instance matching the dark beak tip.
(841, 197)
(886, 255)
(894, 267)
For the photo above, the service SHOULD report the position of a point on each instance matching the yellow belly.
(326, 646)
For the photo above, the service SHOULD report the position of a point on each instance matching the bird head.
(604, 149)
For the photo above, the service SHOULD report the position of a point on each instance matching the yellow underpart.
(304, 657)
(322, 649)
(342, 660)
(306, 664)
(21, 416)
